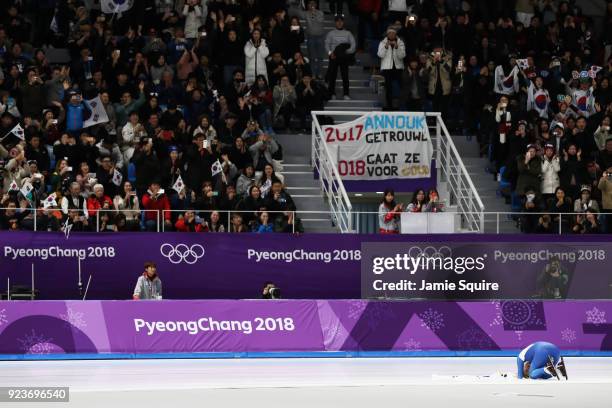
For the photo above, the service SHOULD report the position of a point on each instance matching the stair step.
(349, 108)
(296, 172)
(306, 195)
(352, 68)
(297, 160)
(357, 103)
(306, 178)
(296, 165)
(355, 83)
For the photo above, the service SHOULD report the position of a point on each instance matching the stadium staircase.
(301, 184)
(313, 210)
(367, 94)
(488, 188)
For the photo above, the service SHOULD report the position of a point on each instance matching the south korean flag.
(216, 168)
(115, 6)
(98, 112)
(522, 63)
(18, 131)
(26, 189)
(117, 177)
(50, 201)
(178, 185)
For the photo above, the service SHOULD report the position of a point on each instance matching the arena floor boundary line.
(314, 354)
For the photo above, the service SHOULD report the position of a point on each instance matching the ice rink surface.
(335, 382)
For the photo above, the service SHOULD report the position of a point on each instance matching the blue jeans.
(151, 225)
(265, 120)
(316, 50)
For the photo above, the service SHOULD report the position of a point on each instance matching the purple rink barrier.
(242, 326)
(308, 266)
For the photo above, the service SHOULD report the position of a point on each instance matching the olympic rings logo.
(430, 252)
(182, 253)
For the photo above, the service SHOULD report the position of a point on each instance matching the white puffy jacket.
(193, 21)
(550, 175)
(389, 54)
(255, 60)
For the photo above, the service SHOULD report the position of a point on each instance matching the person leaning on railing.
(531, 221)
(156, 204)
(605, 186)
(433, 202)
(586, 210)
(389, 214)
(215, 224)
(418, 202)
(98, 201)
(126, 203)
(189, 222)
(10, 218)
(587, 224)
(283, 209)
(559, 205)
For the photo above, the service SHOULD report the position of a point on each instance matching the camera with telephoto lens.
(275, 293)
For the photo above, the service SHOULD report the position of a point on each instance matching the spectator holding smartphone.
(189, 222)
(529, 171)
(126, 203)
(391, 51)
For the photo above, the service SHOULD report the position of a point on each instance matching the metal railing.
(450, 170)
(329, 177)
(225, 217)
(363, 221)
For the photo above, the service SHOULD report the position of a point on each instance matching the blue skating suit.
(537, 354)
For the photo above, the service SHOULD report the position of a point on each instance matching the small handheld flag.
(115, 6)
(522, 63)
(178, 185)
(265, 187)
(26, 189)
(216, 168)
(50, 201)
(117, 177)
(98, 113)
(17, 131)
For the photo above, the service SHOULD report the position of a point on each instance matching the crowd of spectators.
(109, 120)
(529, 78)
